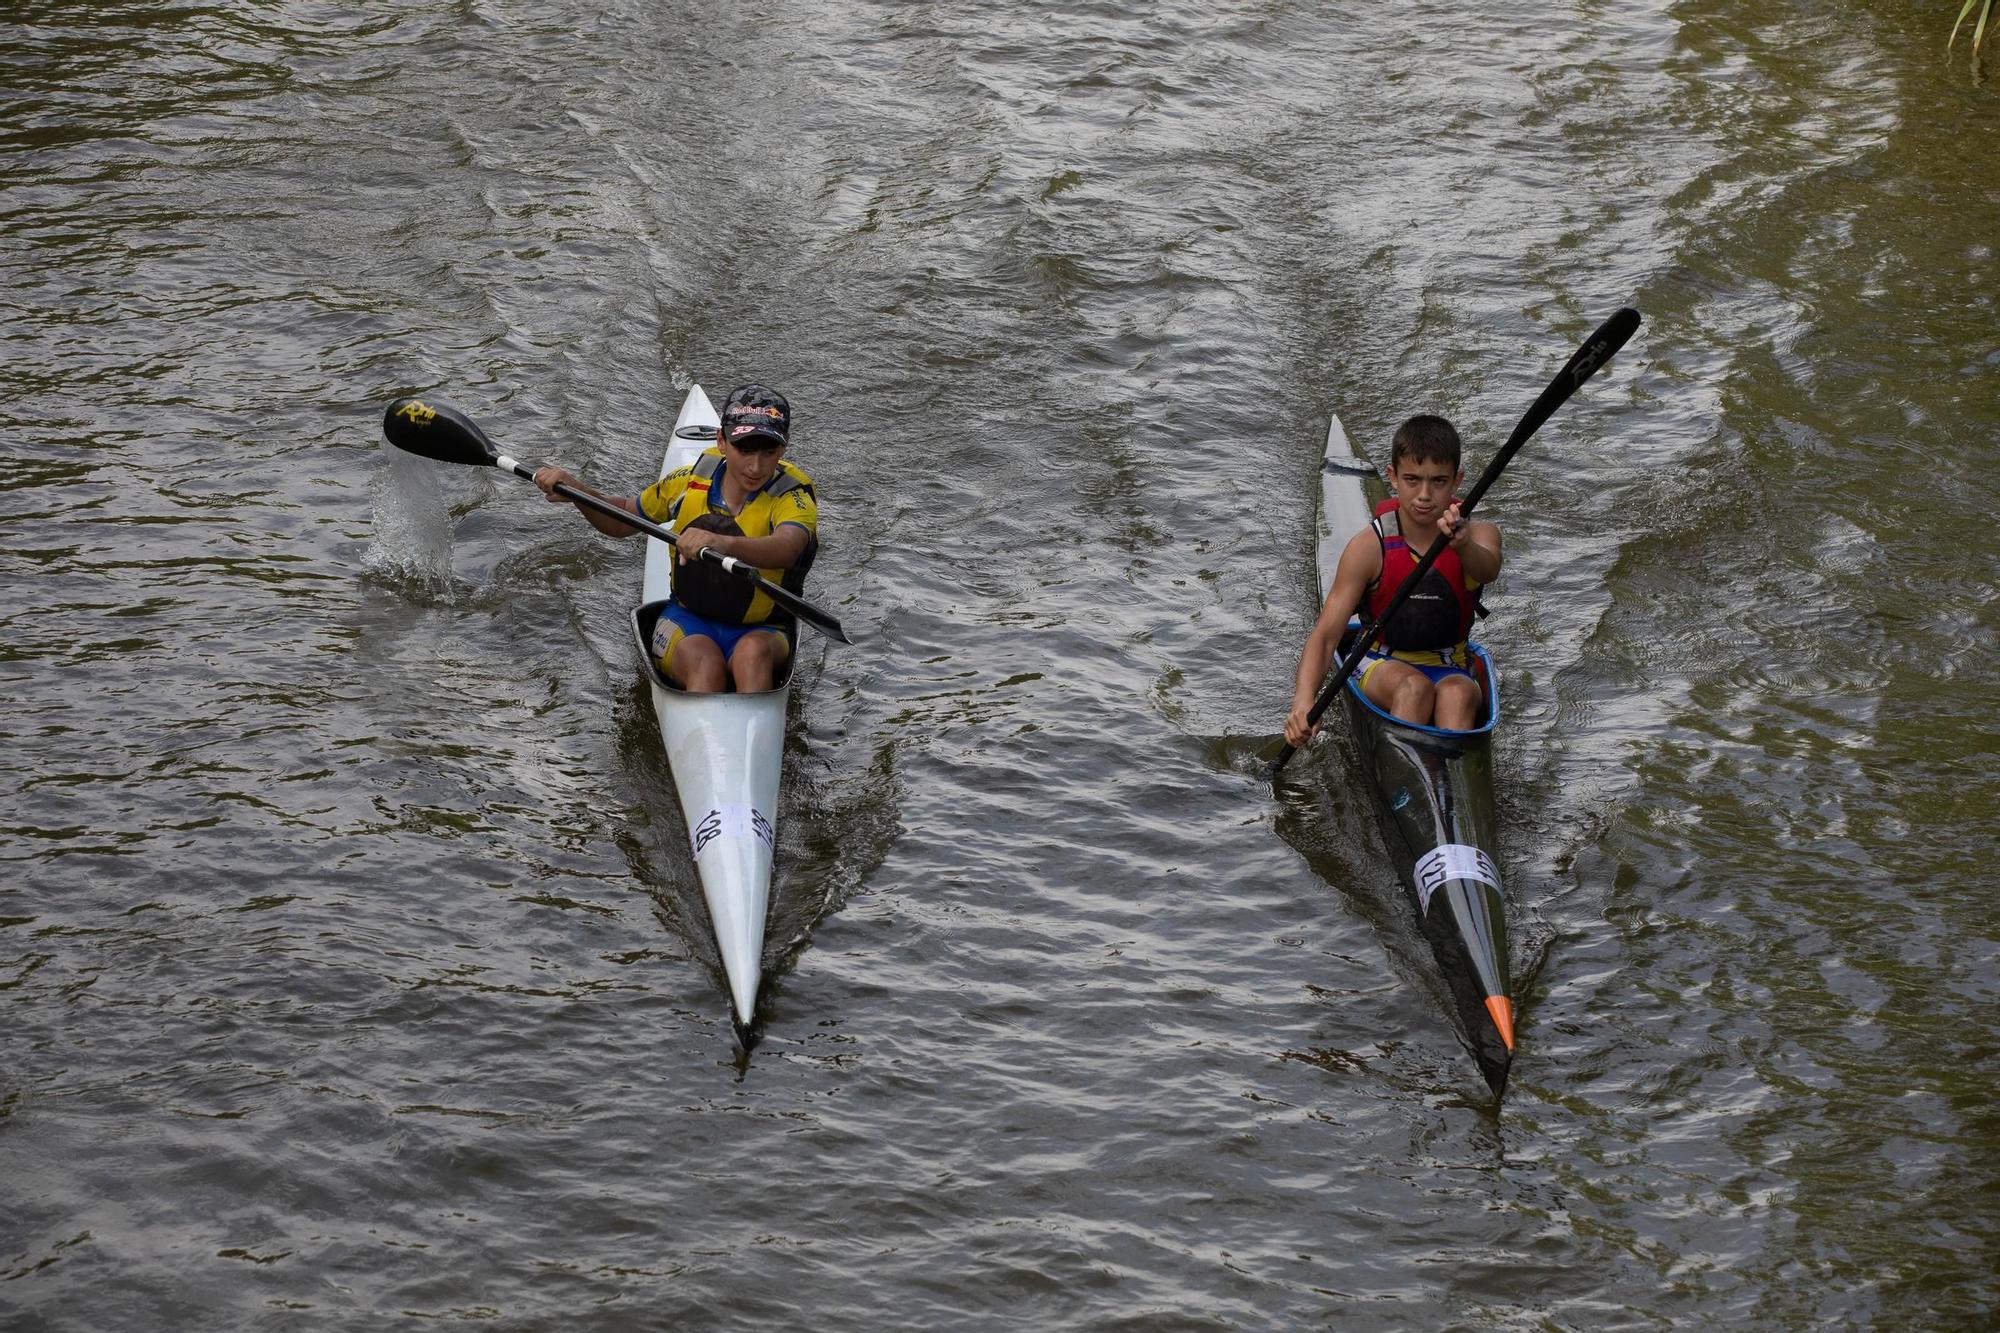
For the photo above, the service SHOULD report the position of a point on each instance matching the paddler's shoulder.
(667, 488)
(1363, 551)
(706, 464)
(797, 473)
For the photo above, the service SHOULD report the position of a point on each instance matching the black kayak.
(1433, 792)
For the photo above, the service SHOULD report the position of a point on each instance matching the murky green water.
(351, 965)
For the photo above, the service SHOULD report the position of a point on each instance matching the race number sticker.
(1454, 860)
(732, 821)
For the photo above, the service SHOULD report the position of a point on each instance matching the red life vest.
(1438, 612)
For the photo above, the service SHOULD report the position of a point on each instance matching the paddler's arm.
(548, 478)
(1360, 562)
(781, 550)
(1477, 544)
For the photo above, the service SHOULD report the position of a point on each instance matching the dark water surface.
(352, 972)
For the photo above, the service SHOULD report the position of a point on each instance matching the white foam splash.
(412, 522)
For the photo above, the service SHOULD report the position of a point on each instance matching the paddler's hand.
(1455, 528)
(690, 543)
(548, 478)
(1297, 732)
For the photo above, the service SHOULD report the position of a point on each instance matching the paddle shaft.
(1596, 350)
(630, 519)
(436, 431)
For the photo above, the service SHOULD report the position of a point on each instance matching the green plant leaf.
(1953, 39)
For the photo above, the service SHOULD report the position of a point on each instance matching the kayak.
(725, 751)
(1433, 794)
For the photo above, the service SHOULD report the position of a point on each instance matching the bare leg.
(754, 665)
(1400, 690)
(1458, 699)
(697, 664)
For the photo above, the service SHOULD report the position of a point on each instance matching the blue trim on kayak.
(1443, 733)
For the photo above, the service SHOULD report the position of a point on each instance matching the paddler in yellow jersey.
(1419, 669)
(742, 499)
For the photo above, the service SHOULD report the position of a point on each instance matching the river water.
(352, 970)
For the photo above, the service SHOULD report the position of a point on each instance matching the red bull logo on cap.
(748, 419)
(753, 409)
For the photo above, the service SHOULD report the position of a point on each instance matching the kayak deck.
(1434, 800)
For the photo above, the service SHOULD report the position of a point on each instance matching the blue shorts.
(1433, 671)
(677, 622)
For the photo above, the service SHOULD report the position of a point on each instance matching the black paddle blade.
(1588, 359)
(429, 429)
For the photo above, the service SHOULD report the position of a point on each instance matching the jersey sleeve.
(796, 506)
(657, 501)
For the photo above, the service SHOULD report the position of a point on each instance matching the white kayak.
(725, 751)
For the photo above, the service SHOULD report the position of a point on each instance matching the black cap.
(754, 410)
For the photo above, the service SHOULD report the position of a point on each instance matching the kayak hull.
(1434, 798)
(726, 752)
(1433, 795)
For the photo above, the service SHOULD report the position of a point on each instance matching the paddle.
(432, 430)
(1596, 350)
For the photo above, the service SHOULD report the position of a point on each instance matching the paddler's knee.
(1401, 690)
(755, 662)
(1457, 707)
(696, 663)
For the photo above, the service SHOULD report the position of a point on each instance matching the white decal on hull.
(1453, 860)
(732, 821)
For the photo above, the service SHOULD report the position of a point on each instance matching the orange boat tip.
(1502, 1010)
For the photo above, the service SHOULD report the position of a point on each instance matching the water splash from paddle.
(412, 524)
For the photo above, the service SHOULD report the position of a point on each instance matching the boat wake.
(1248, 755)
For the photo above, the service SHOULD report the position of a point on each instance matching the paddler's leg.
(1458, 699)
(697, 664)
(755, 660)
(685, 646)
(1399, 689)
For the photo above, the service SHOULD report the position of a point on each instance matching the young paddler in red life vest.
(744, 500)
(1418, 669)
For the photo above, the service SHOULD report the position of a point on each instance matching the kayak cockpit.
(646, 617)
(1482, 671)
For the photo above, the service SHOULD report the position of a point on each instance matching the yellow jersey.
(680, 499)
